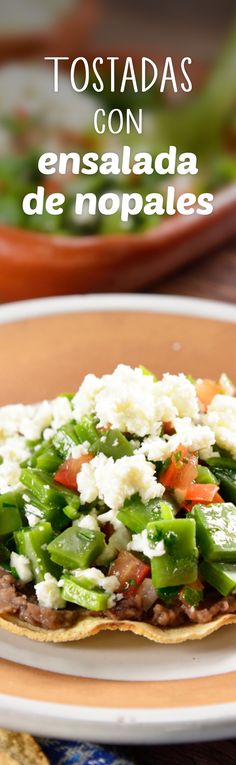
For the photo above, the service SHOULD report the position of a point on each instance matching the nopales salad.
(120, 502)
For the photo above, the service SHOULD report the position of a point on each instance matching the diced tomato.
(181, 472)
(168, 428)
(202, 492)
(189, 504)
(197, 585)
(67, 472)
(206, 390)
(218, 498)
(130, 571)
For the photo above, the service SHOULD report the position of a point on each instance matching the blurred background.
(47, 255)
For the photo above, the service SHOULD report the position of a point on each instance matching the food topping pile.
(120, 501)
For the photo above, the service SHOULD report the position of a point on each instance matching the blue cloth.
(74, 753)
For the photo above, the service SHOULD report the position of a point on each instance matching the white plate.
(121, 657)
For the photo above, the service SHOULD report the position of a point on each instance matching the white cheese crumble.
(35, 420)
(94, 575)
(195, 437)
(113, 482)
(10, 419)
(22, 565)
(9, 476)
(32, 420)
(141, 543)
(181, 393)
(108, 583)
(61, 412)
(221, 418)
(110, 517)
(32, 519)
(48, 433)
(80, 449)
(127, 401)
(33, 514)
(48, 593)
(84, 400)
(88, 521)
(134, 402)
(226, 385)
(13, 451)
(156, 448)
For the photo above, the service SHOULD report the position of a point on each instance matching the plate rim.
(126, 725)
(130, 302)
(144, 726)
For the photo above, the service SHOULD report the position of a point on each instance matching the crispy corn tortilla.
(89, 626)
(20, 749)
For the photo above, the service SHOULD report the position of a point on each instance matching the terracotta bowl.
(35, 264)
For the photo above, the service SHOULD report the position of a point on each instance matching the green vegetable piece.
(11, 498)
(178, 564)
(222, 576)
(112, 443)
(136, 515)
(192, 597)
(227, 480)
(167, 594)
(71, 513)
(47, 491)
(216, 531)
(32, 443)
(117, 541)
(39, 449)
(222, 462)
(85, 594)
(147, 372)
(49, 460)
(204, 475)
(42, 486)
(33, 542)
(86, 430)
(10, 515)
(76, 547)
(4, 554)
(64, 440)
(168, 571)
(55, 515)
(69, 497)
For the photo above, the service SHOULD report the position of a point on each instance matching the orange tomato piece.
(181, 472)
(68, 471)
(202, 492)
(130, 571)
(206, 390)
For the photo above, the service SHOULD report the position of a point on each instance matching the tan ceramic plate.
(51, 352)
